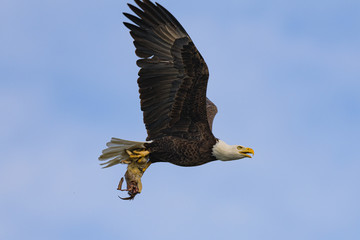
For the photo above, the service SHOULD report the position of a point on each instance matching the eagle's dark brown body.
(182, 152)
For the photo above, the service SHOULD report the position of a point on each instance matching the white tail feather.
(117, 151)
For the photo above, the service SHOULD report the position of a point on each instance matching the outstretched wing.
(173, 75)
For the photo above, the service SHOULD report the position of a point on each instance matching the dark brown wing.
(211, 111)
(173, 75)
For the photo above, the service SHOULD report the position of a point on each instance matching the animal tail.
(116, 151)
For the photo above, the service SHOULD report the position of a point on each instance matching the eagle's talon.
(132, 155)
(142, 153)
(139, 155)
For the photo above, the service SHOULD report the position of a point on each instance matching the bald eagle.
(177, 114)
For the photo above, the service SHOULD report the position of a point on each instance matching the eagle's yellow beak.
(245, 151)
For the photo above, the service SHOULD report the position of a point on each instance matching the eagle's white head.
(223, 151)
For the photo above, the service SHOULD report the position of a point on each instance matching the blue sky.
(284, 75)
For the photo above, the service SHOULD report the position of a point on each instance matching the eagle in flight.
(177, 114)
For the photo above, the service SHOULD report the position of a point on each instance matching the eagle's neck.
(222, 151)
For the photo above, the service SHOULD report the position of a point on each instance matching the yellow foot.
(138, 155)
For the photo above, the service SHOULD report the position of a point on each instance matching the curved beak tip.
(247, 151)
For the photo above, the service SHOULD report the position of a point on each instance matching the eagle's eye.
(239, 147)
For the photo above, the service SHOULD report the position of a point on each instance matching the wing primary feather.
(150, 37)
(136, 20)
(153, 46)
(142, 15)
(171, 18)
(148, 10)
(132, 27)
